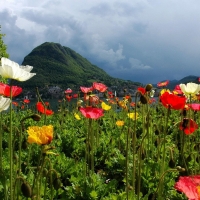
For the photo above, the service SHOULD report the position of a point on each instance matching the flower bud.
(26, 189)
(143, 99)
(57, 183)
(148, 87)
(36, 117)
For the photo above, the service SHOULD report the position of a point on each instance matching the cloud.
(141, 39)
(137, 64)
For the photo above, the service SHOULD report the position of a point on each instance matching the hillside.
(58, 65)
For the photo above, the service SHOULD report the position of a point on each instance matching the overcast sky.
(140, 40)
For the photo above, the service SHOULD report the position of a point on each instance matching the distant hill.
(61, 66)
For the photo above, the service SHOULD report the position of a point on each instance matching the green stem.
(11, 148)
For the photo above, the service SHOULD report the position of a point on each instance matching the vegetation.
(3, 47)
(61, 66)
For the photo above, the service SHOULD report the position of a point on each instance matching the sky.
(145, 41)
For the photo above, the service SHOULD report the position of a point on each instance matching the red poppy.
(26, 101)
(162, 84)
(190, 186)
(5, 90)
(141, 90)
(68, 97)
(86, 89)
(68, 91)
(194, 106)
(188, 126)
(100, 87)
(132, 104)
(110, 94)
(41, 109)
(92, 113)
(173, 101)
(75, 95)
(22, 107)
(46, 103)
(15, 103)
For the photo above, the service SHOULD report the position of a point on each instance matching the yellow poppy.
(77, 116)
(133, 116)
(163, 91)
(120, 123)
(105, 106)
(40, 135)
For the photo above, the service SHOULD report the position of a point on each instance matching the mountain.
(61, 66)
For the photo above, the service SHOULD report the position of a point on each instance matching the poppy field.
(135, 147)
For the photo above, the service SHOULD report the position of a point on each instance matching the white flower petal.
(12, 70)
(4, 103)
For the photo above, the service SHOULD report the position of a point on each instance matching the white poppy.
(12, 70)
(190, 88)
(4, 103)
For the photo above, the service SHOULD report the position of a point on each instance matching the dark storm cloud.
(18, 41)
(140, 40)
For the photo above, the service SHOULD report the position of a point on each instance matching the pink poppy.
(86, 89)
(162, 84)
(194, 106)
(190, 186)
(177, 90)
(92, 113)
(100, 87)
(68, 91)
(188, 126)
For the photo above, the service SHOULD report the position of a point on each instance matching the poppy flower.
(100, 87)
(120, 123)
(68, 97)
(86, 90)
(40, 107)
(105, 106)
(40, 135)
(188, 126)
(12, 70)
(163, 84)
(68, 91)
(110, 94)
(133, 116)
(4, 103)
(92, 113)
(46, 103)
(141, 90)
(173, 101)
(177, 90)
(5, 90)
(26, 101)
(194, 106)
(92, 98)
(190, 88)
(77, 116)
(75, 95)
(15, 103)
(190, 186)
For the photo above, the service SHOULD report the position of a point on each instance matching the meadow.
(111, 149)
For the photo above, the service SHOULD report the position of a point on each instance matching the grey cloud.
(17, 40)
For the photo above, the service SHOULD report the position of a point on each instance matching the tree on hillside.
(3, 47)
